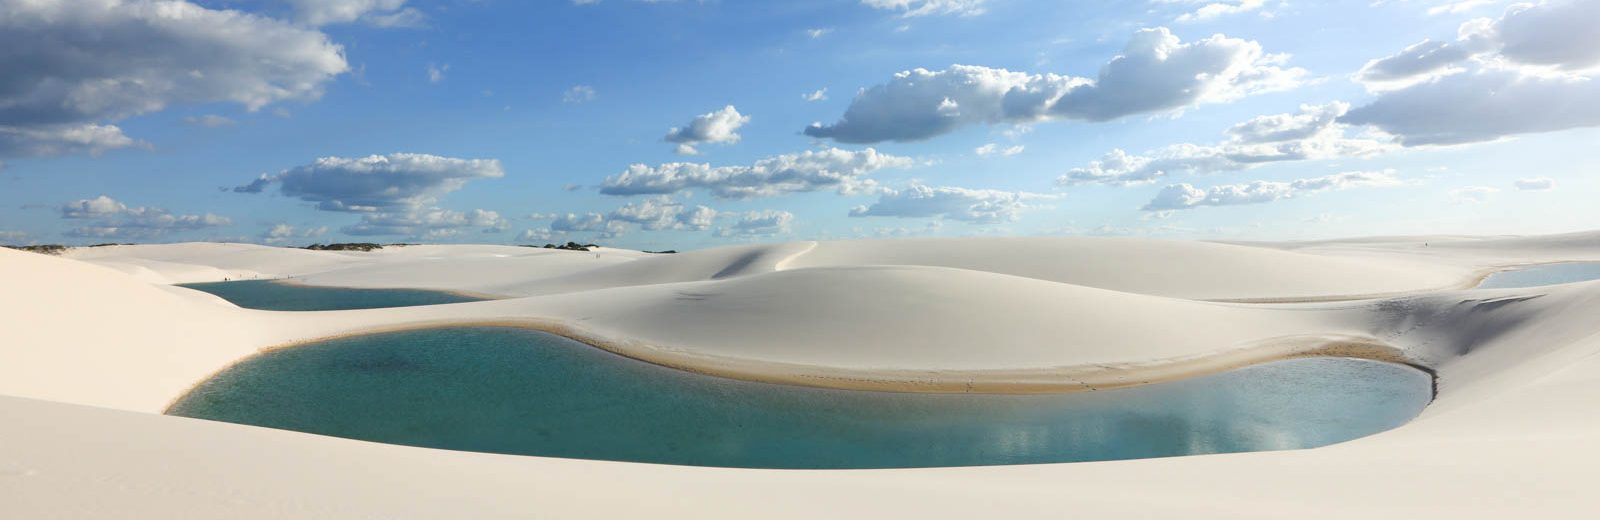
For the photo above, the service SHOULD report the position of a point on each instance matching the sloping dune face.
(1179, 269)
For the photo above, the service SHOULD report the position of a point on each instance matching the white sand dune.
(1513, 430)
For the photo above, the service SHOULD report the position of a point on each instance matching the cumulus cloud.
(1314, 132)
(1155, 73)
(762, 223)
(381, 13)
(663, 213)
(816, 95)
(1560, 35)
(1529, 71)
(111, 219)
(1482, 106)
(1535, 184)
(953, 203)
(404, 181)
(721, 126)
(68, 68)
(915, 8)
(811, 170)
(1186, 196)
(50, 140)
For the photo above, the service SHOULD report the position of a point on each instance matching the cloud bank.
(1155, 73)
(1186, 196)
(811, 170)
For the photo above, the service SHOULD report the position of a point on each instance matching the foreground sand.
(1514, 428)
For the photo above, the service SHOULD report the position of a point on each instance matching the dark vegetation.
(569, 246)
(45, 249)
(667, 252)
(346, 246)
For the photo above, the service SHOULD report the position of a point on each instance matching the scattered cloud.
(13, 237)
(995, 149)
(1312, 133)
(915, 8)
(1186, 196)
(88, 64)
(964, 204)
(1535, 184)
(1213, 10)
(818, 33)
(1472, 194)
(578, 94)
(426, 223)
(764, 223)
(209, 121)
(816, 95)
(279, 233)
(1155, 73)
(436, 72)
(379, 13)
(110, 219)
(811, 170)
(721, 126)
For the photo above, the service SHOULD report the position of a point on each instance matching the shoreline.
(1018, 381)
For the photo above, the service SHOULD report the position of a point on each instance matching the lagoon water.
(274, 296)
(504, 390)
(1539, 275)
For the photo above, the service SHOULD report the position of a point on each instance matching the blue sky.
(514, 122)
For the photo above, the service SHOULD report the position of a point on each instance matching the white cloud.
(1535, 184)
(1214, 10)
(13, 236)
(915, 8)
(1186, 196)
(818, 33)
(764, 223)
(436, 72)
(426, 223)
(1312, 133)
(1155, 73)
(995, 149)
(399, 181)
(381, 13)
(721, 126)
(279, 233)
(1482, 106)
(578, 94)
(811, 170)
(536, 235)
(70, 139)
(1472, 194)
(816, 95)
(658, 213)
(953, 203)
(69, 67)
(1529, 71)
(114, 220)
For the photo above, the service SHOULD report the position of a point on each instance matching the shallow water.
(273, 296)
(515, 391)
(1540, 275)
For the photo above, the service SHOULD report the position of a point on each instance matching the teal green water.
(1539, 275)
(274, 296)
(503, 390)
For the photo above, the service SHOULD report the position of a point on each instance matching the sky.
(660, 124)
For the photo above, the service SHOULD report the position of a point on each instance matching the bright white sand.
(1514, 430)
